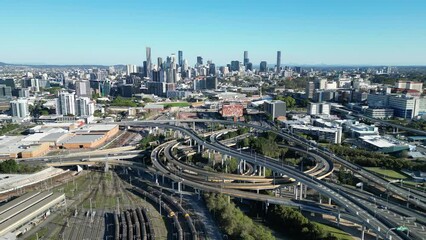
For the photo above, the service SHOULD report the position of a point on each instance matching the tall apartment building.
(310, 90)
(82, 88)
(65, 104)
(5, 91)
(20, 108)
(84, 107)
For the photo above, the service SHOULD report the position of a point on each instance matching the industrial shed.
(16, 216)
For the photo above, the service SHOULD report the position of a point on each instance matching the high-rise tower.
(278, 61)
(20, 108)
(246, 59)
(65, 103)
(148, 62)
(199, 60)
(180, 58)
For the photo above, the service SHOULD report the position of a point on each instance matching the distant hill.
(59, 66)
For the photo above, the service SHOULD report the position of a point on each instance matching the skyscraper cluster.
(163, 75)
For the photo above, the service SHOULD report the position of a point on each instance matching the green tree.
(123, 102)
(233, 221)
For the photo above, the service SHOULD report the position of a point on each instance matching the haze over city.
(331, 32)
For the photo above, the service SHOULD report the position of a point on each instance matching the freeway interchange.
(369, 218)
(353, 207)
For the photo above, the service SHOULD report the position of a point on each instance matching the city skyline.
(306, 32)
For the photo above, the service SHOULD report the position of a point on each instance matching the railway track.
(100, 218)
(177, 232)
(91, 213)
(79, 230)
(184, 217)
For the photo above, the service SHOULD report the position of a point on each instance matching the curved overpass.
(414, 197)
(342, 199)
(323, 166)
(221, 179)
(243, 194)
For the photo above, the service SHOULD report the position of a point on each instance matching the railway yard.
(94, 199)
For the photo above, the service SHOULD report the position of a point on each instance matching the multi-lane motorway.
(414, 197)
(365, 214)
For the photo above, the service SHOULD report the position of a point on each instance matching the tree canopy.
(123, 102)
(290, 102)
(11, 166)
(233, 221)
(292, 223)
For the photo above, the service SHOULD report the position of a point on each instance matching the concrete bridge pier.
(266, 206)
(362, 232)
(179, 186)
(338, 219)
(296, 192)
(395, 130)
(305, 191)
(198, 192)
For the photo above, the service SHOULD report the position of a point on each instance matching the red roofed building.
(232, 110)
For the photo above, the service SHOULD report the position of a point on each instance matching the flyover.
(342, 199)
(412, 196)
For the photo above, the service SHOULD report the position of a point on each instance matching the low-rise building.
(232, 110)
(382, 144)
(89, 141)
(14, 147)
(109, 130)
(357, 129)
(331, 135)
(275, 108)
(319, 108)
(379, 113)
(34, 150)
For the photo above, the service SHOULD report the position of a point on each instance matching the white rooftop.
(312, 128)
(81, 139)
(378, 141)
(15, 181)
(97, 128)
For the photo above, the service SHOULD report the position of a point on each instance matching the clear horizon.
(307, 32)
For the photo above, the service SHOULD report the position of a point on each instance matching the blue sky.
(382, 32)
